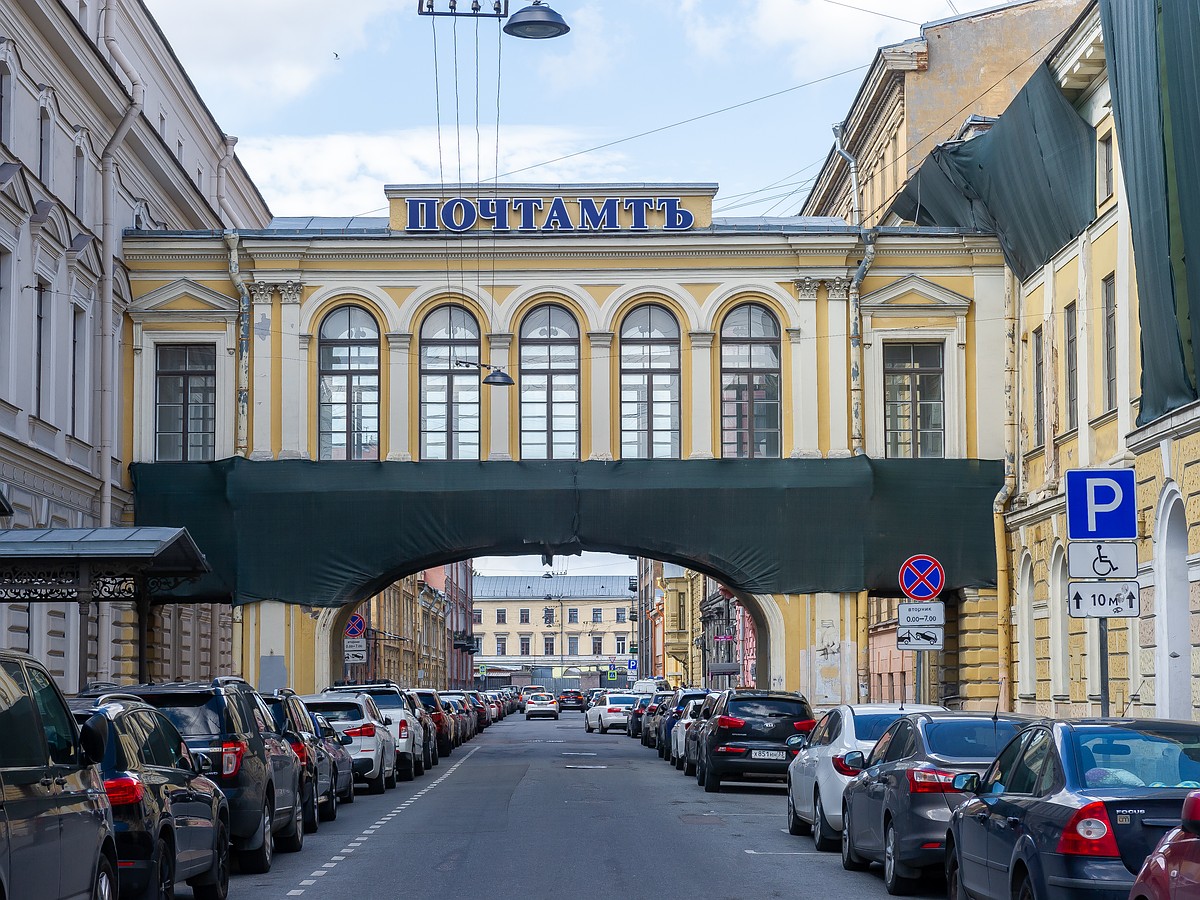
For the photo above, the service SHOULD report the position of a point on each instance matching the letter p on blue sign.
(1101, 505)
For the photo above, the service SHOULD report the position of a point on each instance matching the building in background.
(682, 635)
(454, 584)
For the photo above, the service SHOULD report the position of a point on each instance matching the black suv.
(571, 700)
(744, 735)
(56, 831)
(258, 773)
(293, 721)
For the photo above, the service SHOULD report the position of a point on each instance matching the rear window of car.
(278, 712)
(770, 708)
(387, 700)
(336, 710)
(621, 699)
(870, 727)
(540, 698)
(969, 740)
(428, 700)
(193, 715)
(1116, 757)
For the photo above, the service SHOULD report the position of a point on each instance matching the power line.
(872, 12)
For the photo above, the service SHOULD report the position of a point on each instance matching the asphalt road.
(540, 809)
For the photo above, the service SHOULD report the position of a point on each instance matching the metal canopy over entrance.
(328, 534)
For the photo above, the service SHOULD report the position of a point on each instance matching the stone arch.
(1026, 631)
(1172, 607)
(326, 298)
(516, 305)
(724, 298)
(420, 303)
(678, 301)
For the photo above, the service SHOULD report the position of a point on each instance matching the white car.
(373, 749)
(818, 773)
(687, 721)
(526, 691)
(609, 711)
(402, 722)
(542, 705)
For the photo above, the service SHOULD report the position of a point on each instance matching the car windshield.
(770, 708)
(871, 726)
(621, 700)
(194, 715)
(336, 711)
(1166, 754)
(972, 739)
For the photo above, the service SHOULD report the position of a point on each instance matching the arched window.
(348, 362)
(549, 384)
(750, 384)
(1026, 633)
(650, 384)
(449, 393)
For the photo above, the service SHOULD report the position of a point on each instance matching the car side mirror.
(387, 720)
(797, 741)
(968, 783)
(855, 760)
(201, 763)
(93, 738)
(345, 739)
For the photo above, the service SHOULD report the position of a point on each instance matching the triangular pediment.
(14, 189)
(183, 295)
(84, 253)
(912, 293)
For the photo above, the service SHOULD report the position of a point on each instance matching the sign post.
(354, 644)
(921, 624)
(1102, 553)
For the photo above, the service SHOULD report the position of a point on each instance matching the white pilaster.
(260, 375)
(1049, 381)
(702, 398)
(1083, 351)
(803, 338)
(1126, 318)
(398, 412)
(601, 391)
(839, 366)
(499, 398)
(293, 384)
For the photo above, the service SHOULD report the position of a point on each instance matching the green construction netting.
(330, 533)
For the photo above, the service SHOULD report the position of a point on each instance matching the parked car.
(429, 739)
(170, 821)
(1071, 808)
(373, 749)
(610, 711)
(670, 713)
(818, 773)
(634, 727)
(650, 717)
(441, 719)
(293, 721)
(473, 708)
(745, 734)
(541, 705)
(400, 722)
(341, 774)
(691, 740)
(691, 714)
(259, 773)
(650, 686)
(1173, 869)
(592, 694)
(64, 829)
(526, 691)
(571, 699)
(899, 804)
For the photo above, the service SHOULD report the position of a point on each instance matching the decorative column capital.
(839, 288)
(500, 340)
(305, 340)
(702, 340)
(600, 340)
(806, 288)
(399, 340)
(795, 335)
(290, 291)
(260, 291)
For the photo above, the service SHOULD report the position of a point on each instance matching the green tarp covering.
(1031, 179)
(1154, 73)
(330, 533)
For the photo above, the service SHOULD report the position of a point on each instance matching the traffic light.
(548, 615)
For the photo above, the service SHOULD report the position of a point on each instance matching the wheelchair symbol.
(1102, 565)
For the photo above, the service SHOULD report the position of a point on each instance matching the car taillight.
(805, 725)
(839, 766)
(403, 729)
(125, 790)
(650, 710)
(614, 709)
(1088, 833)
(439, 719)
(730, 750)
(367, 729)
(299, 749)
(930, 781)
(231, 756)
(730, 722)
(687, 725)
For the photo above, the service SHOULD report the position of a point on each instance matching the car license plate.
(768, 754)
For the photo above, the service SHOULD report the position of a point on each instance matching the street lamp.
(497, 377)
(535, 22)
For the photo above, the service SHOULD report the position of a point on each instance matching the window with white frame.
(185, 396)
(650, 384)
(477, 617)
(1037, 363)
(914, 400)
(572, 616)
(548, 645)
(750, 384)
(549, 384)
(45, 145)
(43, 325)
(597, 614)
(501, 616)
(620, 644)
(524, 616)
(1108, 306)
(450, 394)
(621, 613)
(597, 645)
(348, 385)
(501, 645)
(79, 380)
(525, 644)
(1071, 354)
(573, 646)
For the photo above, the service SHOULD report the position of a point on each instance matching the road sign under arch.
(356, 626)
(922, 577)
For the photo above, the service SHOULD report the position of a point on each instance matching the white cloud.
(597, 48)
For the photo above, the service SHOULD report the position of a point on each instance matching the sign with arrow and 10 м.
(1103, 599)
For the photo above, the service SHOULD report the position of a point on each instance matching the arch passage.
(327, 534)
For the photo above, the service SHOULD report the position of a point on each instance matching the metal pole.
(1104, 710)
(919, 680)
(85, 609)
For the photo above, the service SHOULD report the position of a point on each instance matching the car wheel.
(105, 885)
(328, 810)
(892, 880)
(377, 784)
(700, 773)
(418, 764)
(407, 772)
(796, 825)
(214, 884)
(258, 860)
(712, 783)
(291, 840)
(311, 815)
(391, 777)
(587, 724)
(348, 797)
(1024, 890)
(954, 888)
(823, 836)
(603, 728)
(851, 861)
(689, 767)
(161, 884)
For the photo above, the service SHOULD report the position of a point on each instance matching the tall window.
(1039, 390)
(502, 617)
(620, 644)
(1072, 365)
(548, 645)
(349, 386)
(621, 611)
(914, 401)
(449, 393)
(597, 614)
(750, 384)
(549, 384)
(185, 396)
(44, 138)
(525, 644)
(524, 617)
(1104, 160)
(573, 646)
(650, 384)
(597, 645)
(80, 183)
(78, 361)
(41, 343)
(573, 616)
(501, 645)
(5, 102)
(477, 617)
(1108, 303)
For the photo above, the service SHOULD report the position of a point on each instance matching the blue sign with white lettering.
(533, 214)
(1101, 505)
(632, 667)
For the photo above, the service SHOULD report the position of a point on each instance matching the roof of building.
(536, 587)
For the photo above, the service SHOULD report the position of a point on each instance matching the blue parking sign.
(1101, 505)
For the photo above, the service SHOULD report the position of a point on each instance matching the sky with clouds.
(331, 101)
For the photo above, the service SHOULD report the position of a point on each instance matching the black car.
(1071, 808)
(571, 700)
(56, 828)
(293, 721)
(171, 822)
(691, 741)
(429, 746)
(669, 714)
(258, 772)
(441, 719)
(636, 712)
(745, 734)
(896, 810)
(649, 726)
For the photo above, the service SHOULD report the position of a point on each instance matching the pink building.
(747, 643)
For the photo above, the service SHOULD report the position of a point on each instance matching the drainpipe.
(1003, 584)
(855, 203)
(241, 446)
(223, 203)
(110, 237)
